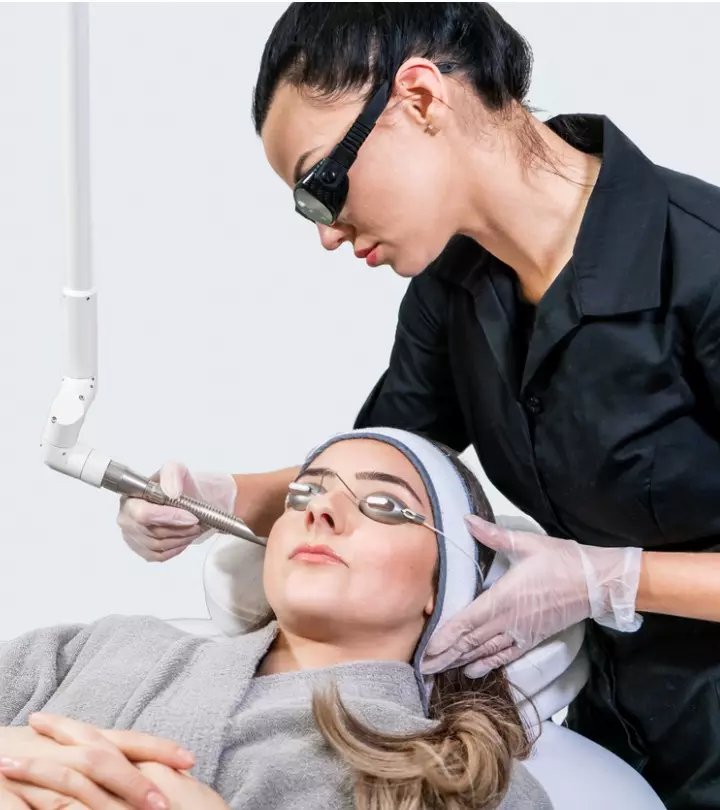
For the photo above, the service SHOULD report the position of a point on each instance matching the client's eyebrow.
(388, 478)
(318, 472)
(370, 475)
(298, 171)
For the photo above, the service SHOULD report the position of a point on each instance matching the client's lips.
(317, 554)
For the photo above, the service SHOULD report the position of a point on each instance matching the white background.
(229, 339)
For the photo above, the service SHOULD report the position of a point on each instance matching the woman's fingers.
(68, 785)
(21, 796)
(495, 645)
(109, 770)
(35, 798)
(460, 636)
(140, 747)
(121, 778)
(164, 556)
(134, 745)
(479, 669)
(67, 731)
(9, 799)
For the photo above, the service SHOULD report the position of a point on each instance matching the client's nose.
(327, 513)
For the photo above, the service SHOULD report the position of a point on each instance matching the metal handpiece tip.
(214, 518)
(124, 481)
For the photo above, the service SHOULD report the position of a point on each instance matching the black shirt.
(605, 425)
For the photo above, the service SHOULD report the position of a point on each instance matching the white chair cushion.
(232, 578)
(578, 773)
(542, 666)
(556, 695)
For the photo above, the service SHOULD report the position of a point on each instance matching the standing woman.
(563, 318)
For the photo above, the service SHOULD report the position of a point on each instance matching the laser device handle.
(124, 481)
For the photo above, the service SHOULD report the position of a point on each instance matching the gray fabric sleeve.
(525, 792)
(33, 666)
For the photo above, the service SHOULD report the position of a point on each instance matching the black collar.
(617, 260)
(618, 253)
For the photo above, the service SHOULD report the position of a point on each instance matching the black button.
(329, 176)
(534, 405)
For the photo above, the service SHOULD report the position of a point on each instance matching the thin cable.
(459, 548)
(333, 474)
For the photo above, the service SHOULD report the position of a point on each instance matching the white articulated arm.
(61, 448)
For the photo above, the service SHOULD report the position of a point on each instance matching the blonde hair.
(463, 762)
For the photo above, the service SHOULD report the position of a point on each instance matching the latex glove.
(159, 533)
(551, 584)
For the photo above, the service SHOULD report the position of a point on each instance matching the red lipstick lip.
(372, 257)
(320, 551)
(365, 252)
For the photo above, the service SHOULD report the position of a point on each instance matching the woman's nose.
(332, 236)
(327, 513)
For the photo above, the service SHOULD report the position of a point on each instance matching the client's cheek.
(276, 554)
(411, 567)
(284, 536)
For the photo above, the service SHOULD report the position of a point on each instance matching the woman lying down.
(323, 706)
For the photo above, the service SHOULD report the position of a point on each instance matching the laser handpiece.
(124, 481)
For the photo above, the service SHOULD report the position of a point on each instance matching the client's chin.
(313, 592)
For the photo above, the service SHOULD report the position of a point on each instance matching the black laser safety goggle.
(321, 193)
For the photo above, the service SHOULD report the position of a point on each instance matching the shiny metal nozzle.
(124, 481)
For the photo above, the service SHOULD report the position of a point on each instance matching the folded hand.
(57, 763)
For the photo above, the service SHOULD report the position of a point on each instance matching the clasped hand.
(57, 763)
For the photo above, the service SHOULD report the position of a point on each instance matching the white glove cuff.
(612, 601)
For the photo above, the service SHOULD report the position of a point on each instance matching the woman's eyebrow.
(298, 171)
(316, 471)
(388, 478)
(370, 475)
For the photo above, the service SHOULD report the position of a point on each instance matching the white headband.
(459, 580)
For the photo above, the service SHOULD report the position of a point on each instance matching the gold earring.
(431, 129)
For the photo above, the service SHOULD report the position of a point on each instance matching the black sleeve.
(417, 392)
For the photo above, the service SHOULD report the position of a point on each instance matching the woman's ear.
(430, 606)
(422, 92)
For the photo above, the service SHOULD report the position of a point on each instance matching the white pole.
(61, 448)
(79, 292)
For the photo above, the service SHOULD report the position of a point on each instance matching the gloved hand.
(551, 585)
(159, 533)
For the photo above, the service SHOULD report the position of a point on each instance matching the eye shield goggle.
(320, 194)
(380, 507)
